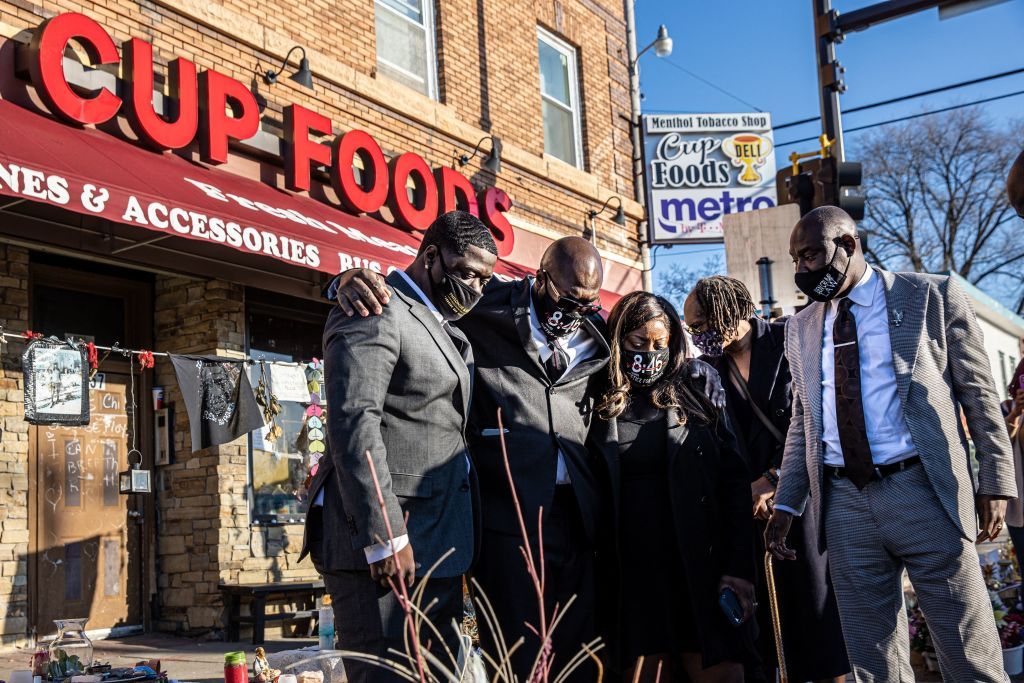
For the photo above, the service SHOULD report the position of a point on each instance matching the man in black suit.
(537, 345)
(399, 386)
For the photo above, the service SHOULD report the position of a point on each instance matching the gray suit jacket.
(941, 368)
(398, 387)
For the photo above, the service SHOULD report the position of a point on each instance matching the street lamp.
(662, 45)
(662, 48)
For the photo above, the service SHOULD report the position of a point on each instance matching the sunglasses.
(570, 304)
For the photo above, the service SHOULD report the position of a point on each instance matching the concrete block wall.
(203, 535)
(14, 431)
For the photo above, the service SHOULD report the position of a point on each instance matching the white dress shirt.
(385, 549)
(887, 431)
(578, 347)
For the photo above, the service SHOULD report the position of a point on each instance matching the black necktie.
(853, 435)
(557, 362)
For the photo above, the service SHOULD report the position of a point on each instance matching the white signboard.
(701, 167)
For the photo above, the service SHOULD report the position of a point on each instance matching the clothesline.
(29, 335)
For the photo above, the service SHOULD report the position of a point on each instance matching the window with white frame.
(560, 98)
(405, 43)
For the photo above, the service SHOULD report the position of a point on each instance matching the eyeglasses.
(695, 329)
(570, 304)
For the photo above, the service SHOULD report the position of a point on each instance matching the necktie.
(557, 362)
(853, 436)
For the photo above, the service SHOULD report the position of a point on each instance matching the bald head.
(574, 265)
(828, 221)
(1015, 185)
(828, 235)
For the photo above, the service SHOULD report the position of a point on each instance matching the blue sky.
(762, 51)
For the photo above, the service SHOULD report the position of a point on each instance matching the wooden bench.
(302, 593)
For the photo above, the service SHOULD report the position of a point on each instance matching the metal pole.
(830, 82)
(637, 165)
(764, 268)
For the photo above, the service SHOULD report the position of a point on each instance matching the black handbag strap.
(745, 391)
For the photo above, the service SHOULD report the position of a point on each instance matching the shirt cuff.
(382, 551)
(330, 292)
(786, 508)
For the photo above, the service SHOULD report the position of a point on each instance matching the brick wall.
(488, 77)
(13, 448)
(488, 83)
(203, 533)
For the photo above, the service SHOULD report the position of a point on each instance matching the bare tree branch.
(936, 199)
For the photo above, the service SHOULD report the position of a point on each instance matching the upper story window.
(405, 43)
(560, 98)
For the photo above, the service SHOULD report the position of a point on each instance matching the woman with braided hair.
(748, 353)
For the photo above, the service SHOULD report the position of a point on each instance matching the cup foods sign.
(701, 167)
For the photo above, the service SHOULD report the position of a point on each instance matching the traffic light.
(821, 182)
(836, 178)
(798, 188)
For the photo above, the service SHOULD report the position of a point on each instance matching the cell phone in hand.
(731, 607)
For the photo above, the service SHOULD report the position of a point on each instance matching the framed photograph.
(56, 383)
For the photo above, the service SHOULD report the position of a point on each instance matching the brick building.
(545, 83)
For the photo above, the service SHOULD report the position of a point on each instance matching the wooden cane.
(773, 601)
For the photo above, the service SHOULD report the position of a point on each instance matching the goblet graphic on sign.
(749, 151)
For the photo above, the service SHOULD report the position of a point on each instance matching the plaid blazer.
(941, 369)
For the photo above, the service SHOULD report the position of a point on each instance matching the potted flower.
(922, 652)
(1010, 623)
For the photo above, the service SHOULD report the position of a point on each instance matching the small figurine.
(261, 670)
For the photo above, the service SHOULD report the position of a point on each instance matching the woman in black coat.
(683, 533)
(748, 354)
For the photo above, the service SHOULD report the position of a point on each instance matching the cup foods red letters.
(213, 109)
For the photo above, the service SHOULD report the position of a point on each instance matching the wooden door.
(91, 547)
(88, 534)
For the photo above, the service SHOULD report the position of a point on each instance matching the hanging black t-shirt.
(218, 398)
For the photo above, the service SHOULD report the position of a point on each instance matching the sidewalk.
(184, 659)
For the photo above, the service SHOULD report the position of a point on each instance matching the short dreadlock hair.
(456, 232)
(726, 303)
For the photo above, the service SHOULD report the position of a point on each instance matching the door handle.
(135, 513)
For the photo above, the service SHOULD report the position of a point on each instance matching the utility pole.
(831, 27)
(637, 159)
(830, 74)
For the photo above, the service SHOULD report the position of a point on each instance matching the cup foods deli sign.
(212, 109)
(701, 167)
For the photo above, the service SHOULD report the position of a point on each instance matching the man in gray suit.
(399, 386)
(883, 363)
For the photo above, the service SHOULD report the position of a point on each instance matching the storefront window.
(286, 334)
(405, 43)
(559, 94)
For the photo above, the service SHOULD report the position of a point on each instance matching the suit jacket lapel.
(520, 306)
(764, 367)
(905, 305)
(810, 361)
(437, 333)
(592, 364)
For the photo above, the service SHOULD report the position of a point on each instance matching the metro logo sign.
(212, 109)
(702, 167)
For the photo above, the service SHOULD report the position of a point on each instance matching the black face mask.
(710, 342)
(644, 368)
(453, 297)
(554, 321)
(824, 283)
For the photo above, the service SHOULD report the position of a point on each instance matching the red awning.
(96, 174)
